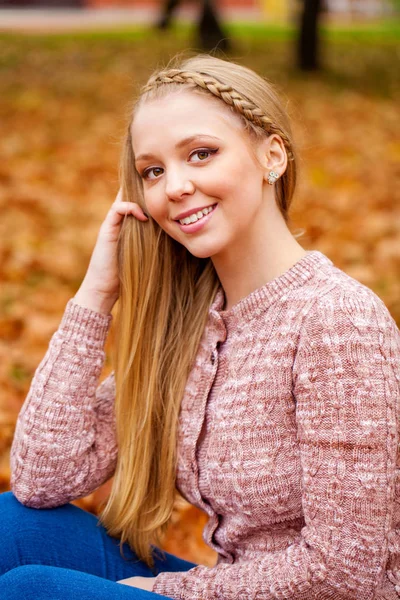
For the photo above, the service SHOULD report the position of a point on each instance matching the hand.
(144, 583)
(100, 288)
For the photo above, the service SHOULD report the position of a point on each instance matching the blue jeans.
(64, 553)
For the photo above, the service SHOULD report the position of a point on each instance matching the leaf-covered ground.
(63, 110)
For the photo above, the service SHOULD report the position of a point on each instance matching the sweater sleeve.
(346, 381)
(64, 444)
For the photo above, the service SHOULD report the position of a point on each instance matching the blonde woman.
(252, 375)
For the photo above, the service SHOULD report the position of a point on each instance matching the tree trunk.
(308, 48)
(167, 10)
(210, 32)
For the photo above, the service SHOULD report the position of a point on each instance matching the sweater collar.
(258, 301)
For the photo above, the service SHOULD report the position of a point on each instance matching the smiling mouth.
(196, 216)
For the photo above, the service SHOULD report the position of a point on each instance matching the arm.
(64, 444)
(346, 387)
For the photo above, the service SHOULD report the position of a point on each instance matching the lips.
(191, 212)
(197, 224)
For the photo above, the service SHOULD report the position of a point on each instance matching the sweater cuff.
(84, 326)
(169, 584)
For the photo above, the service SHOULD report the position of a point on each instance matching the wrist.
(94, 300)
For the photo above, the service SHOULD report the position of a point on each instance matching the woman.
(252, 375)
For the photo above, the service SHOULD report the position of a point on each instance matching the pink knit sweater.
(288, 438)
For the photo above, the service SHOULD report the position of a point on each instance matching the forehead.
(177, 113)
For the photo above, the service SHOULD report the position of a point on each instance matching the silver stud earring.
(272, 177)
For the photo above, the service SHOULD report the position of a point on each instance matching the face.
(201, 181)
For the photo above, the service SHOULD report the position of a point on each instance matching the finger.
(119, 201)
(120, 205)
(119, 209)
(137, 211)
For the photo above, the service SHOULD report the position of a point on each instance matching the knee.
(11, 506)
(13, 514)
(12, 519)
(24, 531)
(10, 512)
(26, 582)
(8, 502)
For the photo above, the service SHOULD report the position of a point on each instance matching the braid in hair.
(226, 93)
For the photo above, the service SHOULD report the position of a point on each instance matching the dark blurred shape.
(167, 11)
(43, 3)
(308, 43)
(209, 31)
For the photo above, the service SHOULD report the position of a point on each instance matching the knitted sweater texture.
(288, 438)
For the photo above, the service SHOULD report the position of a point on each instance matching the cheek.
(218, 182)
(154, 204)
(157, 209)
(238, 172)
(235, 184)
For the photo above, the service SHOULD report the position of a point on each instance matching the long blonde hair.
(165, 295)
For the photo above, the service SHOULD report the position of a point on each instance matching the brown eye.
(155, 170)
(204, 154)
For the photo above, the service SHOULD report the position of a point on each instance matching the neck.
(264, 254)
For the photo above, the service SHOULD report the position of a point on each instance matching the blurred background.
(68, 71)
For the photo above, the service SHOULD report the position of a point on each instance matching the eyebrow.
(179, 145)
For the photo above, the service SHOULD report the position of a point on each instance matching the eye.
(203, 153)
(146, 173)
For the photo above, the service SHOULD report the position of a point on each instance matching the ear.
(272, 155)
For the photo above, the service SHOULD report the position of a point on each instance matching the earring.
(272, 177)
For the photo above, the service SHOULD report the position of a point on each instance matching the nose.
(178, 185)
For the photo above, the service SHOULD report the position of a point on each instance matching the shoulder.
(338, 297)
(346, 317)
(322, 289)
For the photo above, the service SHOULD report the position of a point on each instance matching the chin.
(201, 252)
(198, 248)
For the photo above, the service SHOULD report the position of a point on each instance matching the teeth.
(196, 216)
